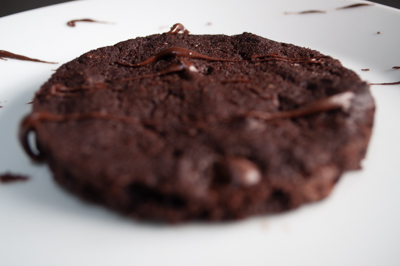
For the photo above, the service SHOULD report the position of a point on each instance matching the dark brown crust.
(196, 150)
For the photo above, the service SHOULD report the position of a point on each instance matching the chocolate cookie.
(178, 127)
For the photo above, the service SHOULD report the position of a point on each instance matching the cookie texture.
(178, 127)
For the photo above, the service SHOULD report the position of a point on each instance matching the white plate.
(358, 224)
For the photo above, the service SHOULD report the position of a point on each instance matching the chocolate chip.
(237, 171)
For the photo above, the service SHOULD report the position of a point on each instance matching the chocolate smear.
(72, 23)
(305, 12)
(396, 67)
(365, 69)
(325, 11)
(386, 83)
(353, 6)
(6, 54)
(8, 178)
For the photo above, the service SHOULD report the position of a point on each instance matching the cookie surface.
(179, 127)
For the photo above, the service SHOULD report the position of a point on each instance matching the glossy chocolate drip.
(353, 6)
(183, 65)
(8, 178)
(72, 23)
(178, 28)
(276, 57)
(338, 101)
(20, 57)
(30, 122)
(386, 83)
(177, 51)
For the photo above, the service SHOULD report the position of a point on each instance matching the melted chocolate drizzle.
(7, 54)
(276, 57)
(396, 67)
(8, 178)
(183, 65)
(72, 23)
(176, 51)
(325, 11)
(63, 91)
(338, 101)
(178, 28)
(30, 122)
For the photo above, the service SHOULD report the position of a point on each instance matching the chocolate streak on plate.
(386, 83)
(353, 6)
(324, 11)
(338, 101)
(305, 12)
(365, 69)
(8, 178)
(396, 67)
(20, 57)
(72, 23)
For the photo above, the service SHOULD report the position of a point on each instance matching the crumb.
(378, 32)
(208, 23)
(8, 178)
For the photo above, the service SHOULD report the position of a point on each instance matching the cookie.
(177, 127)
